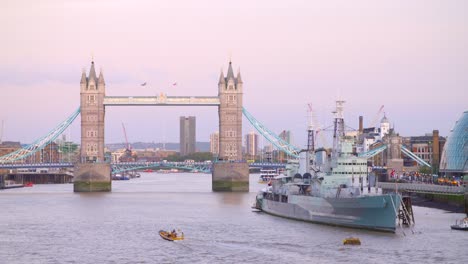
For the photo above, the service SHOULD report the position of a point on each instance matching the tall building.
(214, 143)
(286, 136)
(251, 143)
(187, 135)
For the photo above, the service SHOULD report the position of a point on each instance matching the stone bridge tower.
(230, 116)
(231, 173)
(92, 93)
(92, 173)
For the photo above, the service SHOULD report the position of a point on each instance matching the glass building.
(454, 160)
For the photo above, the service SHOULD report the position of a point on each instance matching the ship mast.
(310, 139)
(338, 131)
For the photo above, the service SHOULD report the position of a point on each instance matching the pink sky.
(411, 56)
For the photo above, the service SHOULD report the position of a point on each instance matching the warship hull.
(367, 212)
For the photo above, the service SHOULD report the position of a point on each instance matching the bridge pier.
(92, 177)
(230, 177)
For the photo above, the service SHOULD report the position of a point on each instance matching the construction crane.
(127, 156)
(376, 117)
(127, 145)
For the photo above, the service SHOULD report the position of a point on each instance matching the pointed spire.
(238, 79)
(230, 73)
(101, 78)
(92, 72)
(221, 78)
(83, 77)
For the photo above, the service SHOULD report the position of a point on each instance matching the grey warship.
(336, 192)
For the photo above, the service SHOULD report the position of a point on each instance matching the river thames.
(51, 224)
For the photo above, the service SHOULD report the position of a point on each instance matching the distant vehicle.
(207, 161)
(189, 161)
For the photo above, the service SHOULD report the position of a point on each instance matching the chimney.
(361, 129)
(435, 149)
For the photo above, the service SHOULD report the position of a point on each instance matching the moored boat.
(10, 184)
(120, 177)
(266, 175)
(461, 225)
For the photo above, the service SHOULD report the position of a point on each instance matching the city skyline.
(406, 56)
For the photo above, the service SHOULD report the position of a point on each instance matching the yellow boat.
(171, 236)
(351, 241)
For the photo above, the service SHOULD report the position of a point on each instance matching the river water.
(51, 224)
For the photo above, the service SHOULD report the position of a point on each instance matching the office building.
(187, 135)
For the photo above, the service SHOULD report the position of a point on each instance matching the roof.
(230, 73)
(384, 119)
(455, 153)
(92, 73)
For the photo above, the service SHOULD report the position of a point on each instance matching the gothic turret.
(221, 78)
(230, 73)
(83, 78)
(101, 78)
(92, 76)
(238, 79)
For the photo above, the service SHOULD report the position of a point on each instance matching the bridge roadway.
(162, 100)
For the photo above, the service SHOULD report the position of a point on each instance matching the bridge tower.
(230, 173)
(91, 172)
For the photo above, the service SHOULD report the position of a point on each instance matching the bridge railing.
(422, 188)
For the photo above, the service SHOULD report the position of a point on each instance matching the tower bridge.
(93, 174)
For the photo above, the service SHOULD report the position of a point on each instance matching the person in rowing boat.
(173, 234)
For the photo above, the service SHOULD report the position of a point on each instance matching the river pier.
(451, 195)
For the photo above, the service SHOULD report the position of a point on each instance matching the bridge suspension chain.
(41, 142)
(371, 153)
(414, 156)
(272, 137)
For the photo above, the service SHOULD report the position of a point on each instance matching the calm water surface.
(51, 224)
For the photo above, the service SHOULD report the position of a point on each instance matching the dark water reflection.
(51, 224)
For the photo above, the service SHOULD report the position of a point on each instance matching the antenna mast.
(338, 131)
